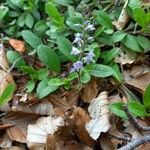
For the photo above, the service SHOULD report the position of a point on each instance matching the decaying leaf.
(38, 132)
(123, 18)
(20, 122)
(125, 57)
(17, 45)
(107, 143)
(43, 107)
(63, 101)
(79, 119)
(140, 82)
(89, 91)
(5, 142)
(99, 113)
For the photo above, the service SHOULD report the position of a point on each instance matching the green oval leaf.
(32, 39)
(7, 94)
(49, 58)
(102, 71)
(15, 58)
(65, 47)
(137, 108)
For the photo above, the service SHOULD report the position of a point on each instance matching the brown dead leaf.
(17, 45)
(140, 82)
(43, 107)
(20, 121)
(79, 118)
(64, 141)
(89, 91)
(99, 112)
(14, 148)
(144, 147)
(71, 145)
(107, 143)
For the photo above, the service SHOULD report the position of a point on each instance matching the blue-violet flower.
(89, 58)
(75, 51)
(77, 66)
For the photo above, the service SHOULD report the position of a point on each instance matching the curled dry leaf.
(38, 132)
(20, 122)
(89, 91)
(99, 112)
(17, 45)
(79, 118)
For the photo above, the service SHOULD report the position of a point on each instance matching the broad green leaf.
(28, 69)
(109, 55)
(140, 17)
(85, 77)
(30, 86)
(55, 82)
(131, 42)
(21, 20)
(15, 58)
(137, 108)
(52, 11)
(102, 71)
(3, 11)
(117, 108)
(71, 21)
(117, 74)
(64, 2)
(45, 89)
(103, 19)
(65, 47)
(146, 97)
(7, 94)
(29, 20)
(133, 4)
(40, 27)
(49, 58)
(32, 39)
(118, 36)
(144, 42)
(42, 74)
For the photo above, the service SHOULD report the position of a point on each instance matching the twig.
(137, 142)
(134, 121)
(126, 139)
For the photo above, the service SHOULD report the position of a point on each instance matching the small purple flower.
(89, 27)
(77, 66)
(75, 51)
(89, 58)
(78, 39)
